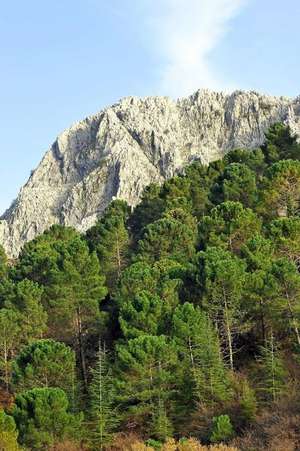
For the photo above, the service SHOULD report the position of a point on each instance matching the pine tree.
(174, 236)
(260, 286)
(44, 363)
(43, 419)
(9, 341)
(281, 191)
(199, 345)
(280, 144)
(273, 372)
(238, 184)
(285, 234)
(8, 433)
(141, 316)
(222, 430)
(76, 289)
(229, 226)
(287, 295)
(26, 301)
(222, 277)
(103, 414)
(146, 379)
(109, 238)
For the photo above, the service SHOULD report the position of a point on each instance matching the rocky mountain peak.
(117, 152)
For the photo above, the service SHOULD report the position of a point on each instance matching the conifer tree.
(77, 288)
(238, 184)
(146, 378)
(222, 430)
(44, 363)
(161, 279)
(287, 295)
(141, 316)
(26, 301)
(281, 192)
(9, 341)
(3, 264)
(43, 419)
(280, 144)
(199, 345)
(103, 414)
(229, 226)
(285, 234)
(109, 238)
(273, 372)
(169, 237)
(8, 433)
(222, 278)
(260, 286)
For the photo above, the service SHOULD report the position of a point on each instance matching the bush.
(8, 433)
(222, 430)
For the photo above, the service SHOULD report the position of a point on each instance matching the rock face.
(117, 152)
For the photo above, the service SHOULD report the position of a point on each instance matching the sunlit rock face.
(118, 151)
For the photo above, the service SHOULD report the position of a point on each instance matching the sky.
(62, 60)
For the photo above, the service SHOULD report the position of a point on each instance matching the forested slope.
(177, 319)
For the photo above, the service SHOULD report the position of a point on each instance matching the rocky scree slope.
(118, 151)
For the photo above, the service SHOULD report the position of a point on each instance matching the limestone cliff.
(118, 151)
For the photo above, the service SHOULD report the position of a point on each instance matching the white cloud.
(185, 34)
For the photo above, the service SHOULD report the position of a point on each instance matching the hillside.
(178, 318)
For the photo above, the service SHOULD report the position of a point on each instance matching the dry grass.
(131, 443)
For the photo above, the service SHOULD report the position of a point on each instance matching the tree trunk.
(81, 347)
(119, 260)
(191, 353)
(6, 366)
(228, 333)
(262, 320)
(294, 322)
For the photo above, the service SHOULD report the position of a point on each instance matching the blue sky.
(62, 60)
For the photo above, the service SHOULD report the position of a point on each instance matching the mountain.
(118, 151)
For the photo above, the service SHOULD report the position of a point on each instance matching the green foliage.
(229, 226)
(45, 363)
(161, 279)
(183, 289)
(141, 316)
(285, 234)
(260, 286)
(146, 379)
(109, 238)
(222, 276)
(8, 433)
(280, 144)
(173, 236)
(254, 159)
(248, 402)
(42, 418)
(287, 295)
(281, 194)
(222, 430)
(273, 383)
(26, 301)
(3, 264)
(238, 184)
(9, 339)
(199, 347)
(73, 286)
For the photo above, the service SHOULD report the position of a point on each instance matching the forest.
(171, 326)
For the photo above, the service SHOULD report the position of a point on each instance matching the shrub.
(222, 430)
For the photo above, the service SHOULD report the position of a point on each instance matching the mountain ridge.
(118, 151)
